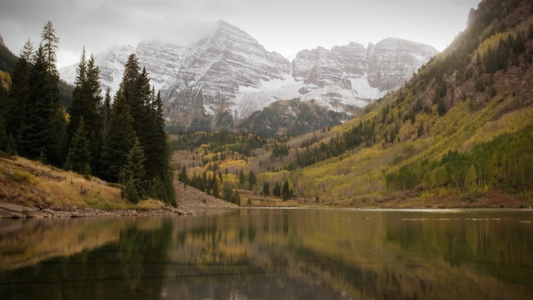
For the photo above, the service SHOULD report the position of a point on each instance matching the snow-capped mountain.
(159, 59)
(228, 74)
(220, 65)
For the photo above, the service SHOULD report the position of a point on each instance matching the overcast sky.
(285, 26)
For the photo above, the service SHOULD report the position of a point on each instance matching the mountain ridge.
(236, 76)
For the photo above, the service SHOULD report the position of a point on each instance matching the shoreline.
(15, 211)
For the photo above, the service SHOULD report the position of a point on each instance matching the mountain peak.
(223, 26)
(2, 41)
(222, 23)
(398, 41)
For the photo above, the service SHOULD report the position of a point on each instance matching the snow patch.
(362, 89)
(208, 110)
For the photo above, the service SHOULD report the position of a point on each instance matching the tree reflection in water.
(275, 254)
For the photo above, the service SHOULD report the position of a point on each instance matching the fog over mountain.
(228, 71)
(283, 26)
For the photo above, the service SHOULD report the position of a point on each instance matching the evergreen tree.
(182, 176)
(55, 150)
(214, 186)
(128, 86)
(155, 140)
(106, 113)
(236, 198)
(241, 177)
(86, 101)
(285, 192)
(11, 145)
(19, 92)
(119, 140)
(43, 122)
(79, 156)
(277, 190)
(266, 189)
(167, 194)
(132, 174)
(50, 46)
(252, 180)
(78, 106)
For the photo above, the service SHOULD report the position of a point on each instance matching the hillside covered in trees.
(460, 133)
(122, 142)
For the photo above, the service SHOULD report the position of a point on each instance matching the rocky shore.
(14, 211)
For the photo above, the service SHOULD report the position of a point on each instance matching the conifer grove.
(120, 140)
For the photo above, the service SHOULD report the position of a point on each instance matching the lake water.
(272, 254)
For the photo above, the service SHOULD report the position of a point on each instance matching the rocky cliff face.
(365, 73)
(227, 75)
(392, 62)
(220, 65)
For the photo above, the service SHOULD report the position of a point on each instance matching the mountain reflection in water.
(272, 254)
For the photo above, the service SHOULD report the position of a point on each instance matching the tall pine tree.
(119, 139)
(106, 113)
(86, 102)
(50, 45)
(132, 174)
(19, 92)
(36, 118)
(42, 130)
(79, 156)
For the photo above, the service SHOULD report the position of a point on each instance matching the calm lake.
(272, 254)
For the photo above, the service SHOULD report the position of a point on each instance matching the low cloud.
(283, 26)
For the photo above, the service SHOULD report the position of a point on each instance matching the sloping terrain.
(459, 134)
(461, 128)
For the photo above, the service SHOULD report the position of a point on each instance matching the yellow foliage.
(512, 122)
(494, 40)
(5, 80)
(491, 42)
(272, 177)
(232, 164)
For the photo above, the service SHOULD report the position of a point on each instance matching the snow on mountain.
(222, 64)
(159, 59)
(229, 71)
(345, 75)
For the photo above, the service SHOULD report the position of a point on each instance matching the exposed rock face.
(220, 65)
(225, 61)
(392, 62)
(161, 60)
(227, 76)
(330, 67)
(367, 73)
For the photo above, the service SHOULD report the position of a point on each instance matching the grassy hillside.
(30, 183)
(460, 133)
